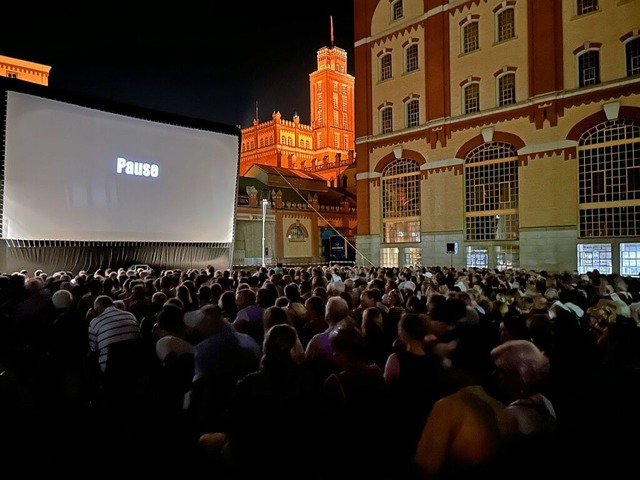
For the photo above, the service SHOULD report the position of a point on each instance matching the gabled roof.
(258, 176)
(280, 177)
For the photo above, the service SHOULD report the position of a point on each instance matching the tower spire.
(331, 27)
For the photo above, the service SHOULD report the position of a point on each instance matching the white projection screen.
(78, 173)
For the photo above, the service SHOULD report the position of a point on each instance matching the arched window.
(386, 72)
(297, 232)
(491, 192)
(412, 113)
(386, 119)
(411, 58)
(397, 10)
(505, 24)
(589, 68)
(632, 53)
(470, 36)
(401, 201)
(471, 97)
(507, 89)
(609, 179)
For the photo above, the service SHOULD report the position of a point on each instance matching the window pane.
(470, 40)
(477, 257)
(385, 67)
(413, 113)
(412, 57)
(491, 189)
(389, 257)
(587, 6)
(507, 89)
(589, 68)
(630, 259)
(506, 24)
(594, 256)
(386, 115)
(396, 8)
(633, 57)
(472, 98)
(401, 202)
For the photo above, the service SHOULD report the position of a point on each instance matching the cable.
(323, 218)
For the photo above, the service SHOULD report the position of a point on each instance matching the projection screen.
(77, 173)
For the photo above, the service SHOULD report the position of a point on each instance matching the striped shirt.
(111, 326)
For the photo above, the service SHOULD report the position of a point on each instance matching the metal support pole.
(264, 219)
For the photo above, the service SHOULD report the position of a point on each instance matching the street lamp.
(264, 219)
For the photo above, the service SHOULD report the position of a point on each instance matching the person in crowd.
(109, 326)
(378, 344)
(416, 380)
(227, 303)
(265, 432)
(173, 336)
(139, 303)
(357, 401)
(275, 315)
(336, 311)
(478, 429)
(249, 317)
(315, 319)
(220, 360)
(295, 306)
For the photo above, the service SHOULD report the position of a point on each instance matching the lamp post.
(264, 219)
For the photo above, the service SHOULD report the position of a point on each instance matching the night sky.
(210, 60)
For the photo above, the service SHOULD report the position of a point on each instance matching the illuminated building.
(506, 132)
(24, 70)
(306, 173)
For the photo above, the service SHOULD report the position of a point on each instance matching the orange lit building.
(23, 70)
(305, 174)
(326, 147)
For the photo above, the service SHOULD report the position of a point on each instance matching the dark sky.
(212, 60)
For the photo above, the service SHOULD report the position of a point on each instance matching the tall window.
(507, 89)
(586, 6)
(411, 58)
(632, 50)
(505, 24)
(471, 96)
(413, 113)
(491, 192)
(609, 180)
(589, 68)
(477, 257)
(630, 259)
(320, 104)
(385, 67)
(401, 201)
(470, 37)
(595, 256)
(396, 9)
(389, 257)
(386, 120)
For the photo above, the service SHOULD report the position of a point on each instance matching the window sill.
(506, 40)
(464, 54)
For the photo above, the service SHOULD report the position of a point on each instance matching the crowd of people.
(320, 373)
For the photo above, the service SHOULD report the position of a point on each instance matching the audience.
(379, 364)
